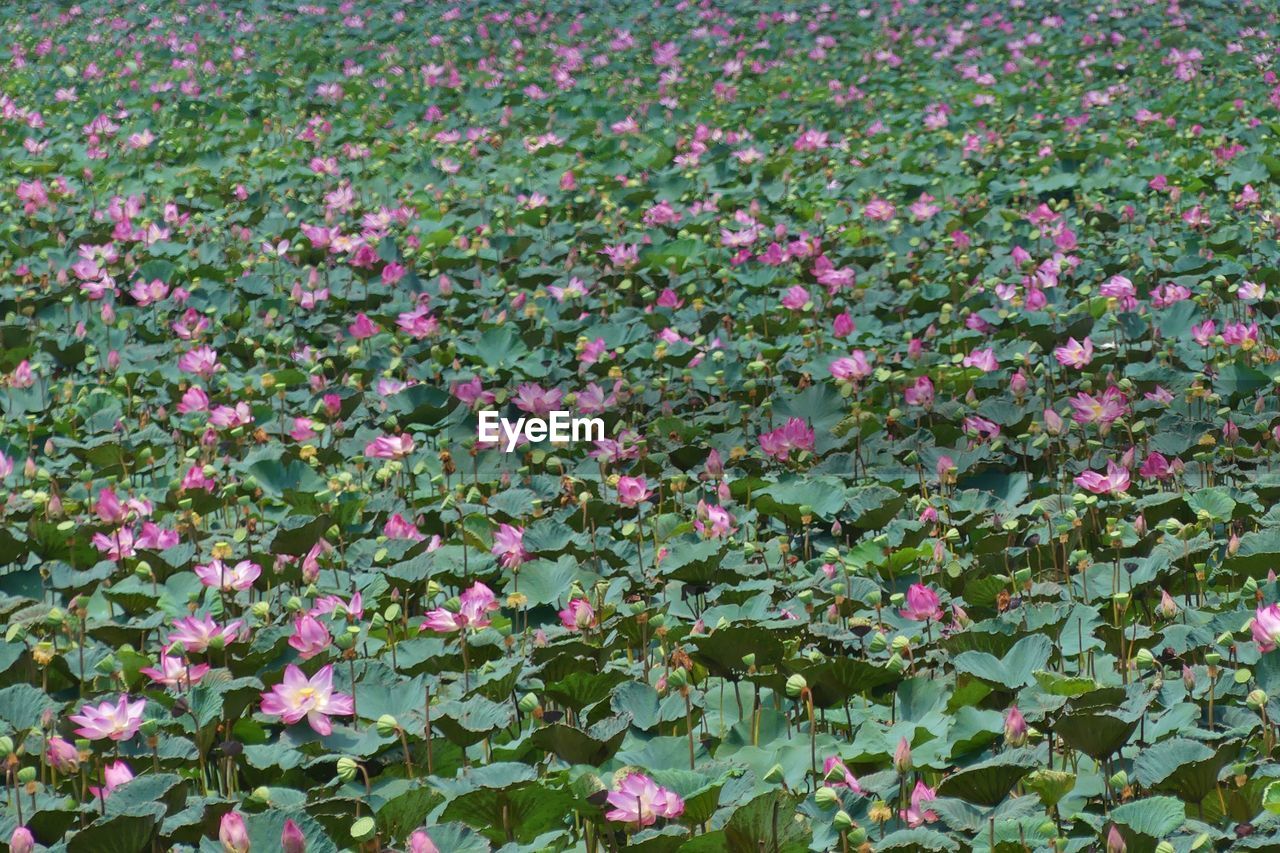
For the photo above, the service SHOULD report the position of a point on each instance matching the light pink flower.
(238, 577)
(198, 633)
(314, 698)
(117, 721)
(474, 605)
(641, 801)
(1116, 480)
(233, 834)
(175, 672)
(578, 615)
(1075, 354)
(113, 776)
(310, 636)
(389, 447)
(1266, 627)
(633, 490)
(846, 779)
(922, 604)
(508, 546)
(917, 814)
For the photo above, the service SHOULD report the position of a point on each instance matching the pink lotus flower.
(1075, 354)
(350, 610)
(844, 777)
(202, 361)
(199, 633)
(851, 368)
(537, 400)
(233, 834)
(1156, 467)
(310, 636)
(1115, 841)
(922, 604)
(313, 698)
(920, 393)
(1108, 408)
(1116, 480)
(917, 814)
(713, 521)
(983, 359)
(420, 842)
(474, 606)
(1015, 727)
(118, 721)
(399, 528)
(578, 615)
(363, 327)
(22, 841)
(291, 838)
(641, 801)
(902, 756)
(62, 755)
(633, 490)
(238, 577)
(113, 776)
(389, 447)
(175, 672)
(793, 436)
(1266, 627)
(508, 546)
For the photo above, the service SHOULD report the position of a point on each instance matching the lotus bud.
(347, 768)
(796, 685)
(776, 774)
(842, 820)
(1256, 699)
(1168, 607)
(387, 725)
(1015, 727)
(22, 841)
(291, 838)
(902, 756)
(1115, 841)
(1188, 678)
(826, 797)
(233, 834)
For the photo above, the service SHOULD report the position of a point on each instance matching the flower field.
(935, 348)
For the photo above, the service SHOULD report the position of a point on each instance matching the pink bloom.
(397, 527)
(420, 842)
(713, 521)
(350, 610)
(474, 606)
(1075, 354)
(389, 447)
(633, 490)
(1015, 727)
(902, 756)
(62, 755)
(847, 780)
(1266, 627)
(1115, 841)
(1156, 467)
(198, 633)
(983, 359)
(310, 636)
(879, 210)
(1111, 406)
(202, 361)
(641, 801)
(792, 436)
(1115, 481)
(851, 368)
(578, 615)
(917, 814)
(22, 841)
(796, 298)
(119, 721)
(239, 577)
(536, 400)
(843, 325)
(922, 604)
(508, 546)
(313, 698)
(113, 776)
(920, 393)
(175, 672)
(233, 834)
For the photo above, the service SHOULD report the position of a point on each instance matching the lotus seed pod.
(1256, 699)
(842, 820)
(1212, 658)
(364, 828)
(528, 703)
(347, 768)
(1165, 847)
(1119, 780)
(677, 678)
(896, 663)
(261, 794)
(879, 642)
(387, 725)
(826, 797)
(775, 774)
(1145, 659)
(796, 685)
(261, 610)
(26, 775)
(901, 644)
(857, 836)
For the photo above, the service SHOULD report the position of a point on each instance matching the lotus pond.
(935, 347)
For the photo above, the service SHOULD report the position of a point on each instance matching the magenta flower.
(118, 721)
(22, 841)
(1075, 354)
(233, 834)
(920, 393)
(62, 755)
(175, 672)
(508, 546)
(238, 577)
(794, 435)
(1115, 841)
(474, 606)
(713, 521)
(922, 604)
(202, 361)
(1116, 480)
(851, 368)
(297, 697)
(1266, 627)
(578, 615)
(291, 838)
(633, 490)
(198, 633)
(641, 801)
(917, 814)
(843, 777)
(1111, 406)
(310, 636)
(113, 776)
(1015, 727)
(983, 359)
(389, 447)
(420, 842)
(537, 400)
